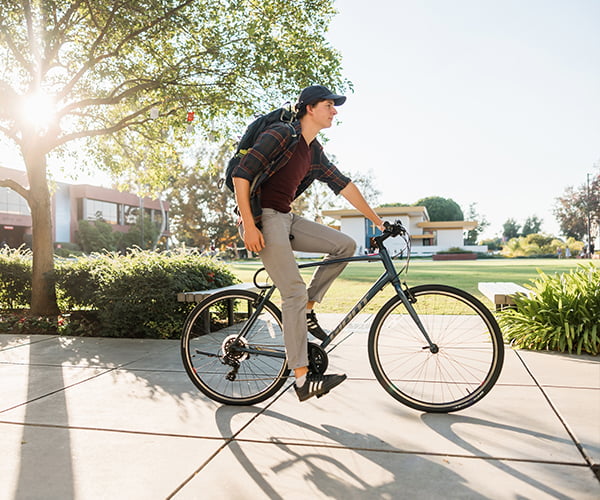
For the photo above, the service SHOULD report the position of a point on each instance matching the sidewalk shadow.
(443, 425)
(42, 461)
(333, 485)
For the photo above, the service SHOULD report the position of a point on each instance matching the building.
(427, 238)
(70, 204)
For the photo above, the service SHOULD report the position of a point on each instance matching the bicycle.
(434, 348)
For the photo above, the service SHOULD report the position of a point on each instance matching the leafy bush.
(454, 250)
(15, 277)
(96, 235)
(67, 249)
(539, 245)
(135, 295)
(562, 313)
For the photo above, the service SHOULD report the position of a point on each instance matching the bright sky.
(489, 101)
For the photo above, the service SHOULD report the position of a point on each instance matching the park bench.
(501, 293)
(202, 294)
(199, 296)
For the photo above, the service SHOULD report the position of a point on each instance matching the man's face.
(323, 113)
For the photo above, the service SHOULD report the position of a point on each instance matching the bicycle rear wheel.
(211, 353)
(465, 368)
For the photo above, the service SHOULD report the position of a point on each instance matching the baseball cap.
(315, 93)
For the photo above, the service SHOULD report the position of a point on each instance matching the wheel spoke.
(470, 350)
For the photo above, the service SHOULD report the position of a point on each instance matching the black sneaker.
(313, 326)
(318, 385)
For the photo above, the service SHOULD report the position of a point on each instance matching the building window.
(105, 210)
(12, 203)
(130, 215)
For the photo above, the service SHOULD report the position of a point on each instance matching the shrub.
(454, 250)
(15, 277)
(562, 313)
(539, 245)
(96, 235)
(134, 295)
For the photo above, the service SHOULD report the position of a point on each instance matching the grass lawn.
(357, 277)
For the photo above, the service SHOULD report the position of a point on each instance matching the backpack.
(281, 115)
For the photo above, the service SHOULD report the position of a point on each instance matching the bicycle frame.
(390, 275)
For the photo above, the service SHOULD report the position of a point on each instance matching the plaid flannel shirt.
(272, 150)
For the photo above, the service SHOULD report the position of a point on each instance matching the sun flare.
(39, 109)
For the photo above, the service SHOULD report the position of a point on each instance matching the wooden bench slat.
(199, 296)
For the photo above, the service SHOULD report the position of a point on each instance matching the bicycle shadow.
(345, 482)
(443, 425)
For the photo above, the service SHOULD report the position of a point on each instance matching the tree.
(482, 223)
(532, 225)
(578, 210)
(510, 229)
(319, 197)
(201, 213)
(441, 209)
(109, 75)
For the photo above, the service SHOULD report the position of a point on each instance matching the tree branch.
(92, 61)
(16, 187)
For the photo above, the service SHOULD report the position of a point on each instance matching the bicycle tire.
(210, 330)
(470, 356)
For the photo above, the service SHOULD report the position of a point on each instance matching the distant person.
(567, 253)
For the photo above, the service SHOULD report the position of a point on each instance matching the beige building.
(427, 238)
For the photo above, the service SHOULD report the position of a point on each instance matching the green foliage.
(15, 277)
(441, 209)
(135, 295)
(510, 229)
(562, 313)
(67, 249)
(454, 250)
(143, 237)
(537, 245)
(96, 235)
(532, 225)
(493, 244)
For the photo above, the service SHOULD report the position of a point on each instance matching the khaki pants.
(278, 259)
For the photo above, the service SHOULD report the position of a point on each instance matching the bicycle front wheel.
(225, 366)
(464, 368)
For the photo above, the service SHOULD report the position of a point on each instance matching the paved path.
(91, 418)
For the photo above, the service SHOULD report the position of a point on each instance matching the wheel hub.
(229, 348)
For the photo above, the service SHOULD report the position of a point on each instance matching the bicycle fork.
(408, 300)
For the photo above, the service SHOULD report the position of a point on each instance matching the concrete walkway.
(91, 418)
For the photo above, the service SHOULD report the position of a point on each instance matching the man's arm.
(253, 238)
(355, 197)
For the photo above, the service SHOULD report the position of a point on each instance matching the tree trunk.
(43, 292)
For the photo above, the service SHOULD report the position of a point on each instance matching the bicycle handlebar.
(391, 230)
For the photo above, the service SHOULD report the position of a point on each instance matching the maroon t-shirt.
(279, 190)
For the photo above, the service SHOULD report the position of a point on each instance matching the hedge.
(132, 295)
(15, 277)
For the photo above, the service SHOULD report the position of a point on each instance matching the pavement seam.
(227, 442)
(31, 342)
(64, 388)
(589, 463)
(106, 429)
(409, 452)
